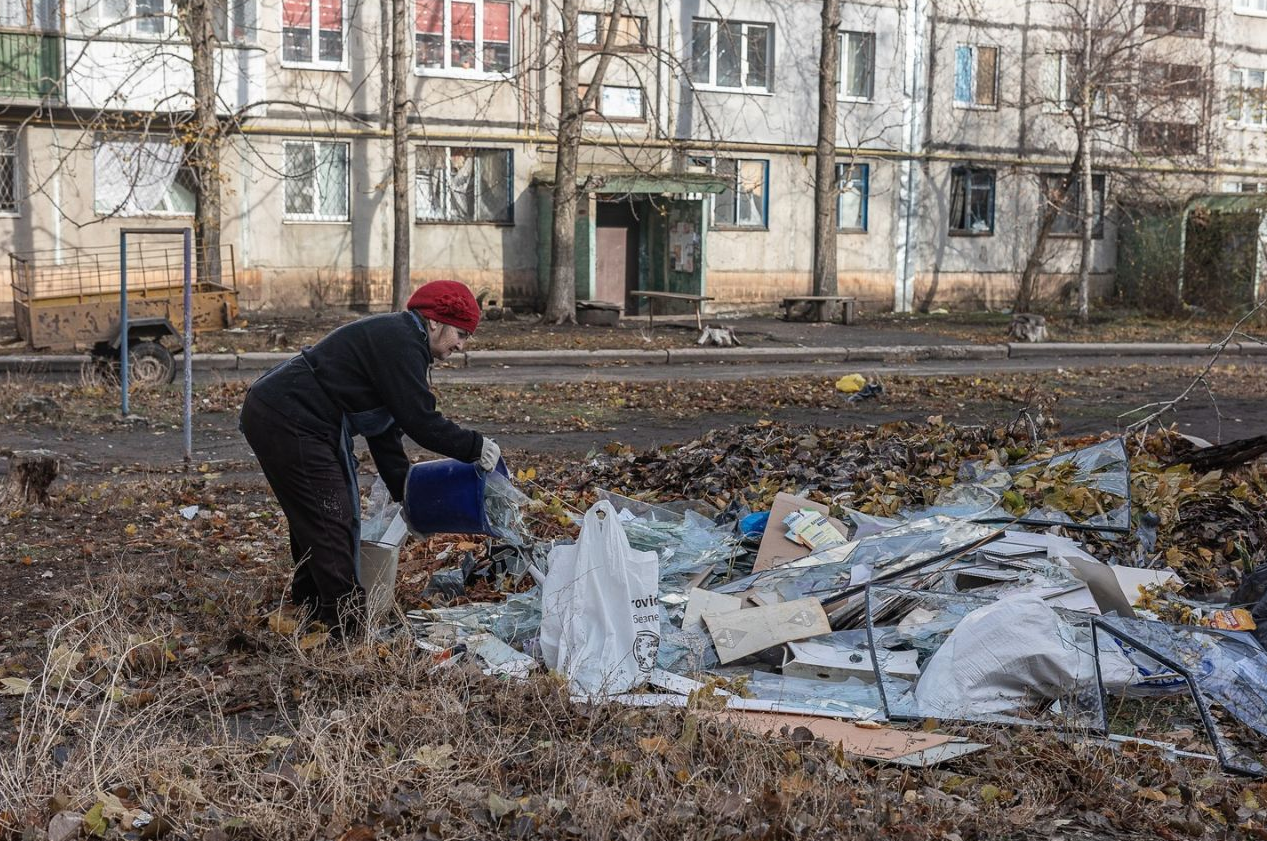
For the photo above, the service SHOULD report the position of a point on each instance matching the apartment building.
(955, 120)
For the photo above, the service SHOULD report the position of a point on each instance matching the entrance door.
(616, 260)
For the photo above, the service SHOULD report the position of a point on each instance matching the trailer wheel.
(150, 364)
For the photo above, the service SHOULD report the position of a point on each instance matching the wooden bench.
(697, 300)
(819, 307)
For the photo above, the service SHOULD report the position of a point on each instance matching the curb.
(260, 362)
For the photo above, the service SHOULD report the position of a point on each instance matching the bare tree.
(205, 137)
(561, 297)
(401, 225)
(825, 188)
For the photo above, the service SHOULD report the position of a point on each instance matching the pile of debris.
(1023, 590)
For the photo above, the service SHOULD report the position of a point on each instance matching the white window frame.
(743, 86)
(1238, 88)
(1239, 187)
(710, 163)
(1056, 70)
(88, 21)
(1258, 9)
(128, 207)
(844, 54)
(9, 151)
(447, 192)
(37, 15)
(478, 72)
(316, 216)
(227, 20)
(601, 112)
(314, 38)
(971, 103)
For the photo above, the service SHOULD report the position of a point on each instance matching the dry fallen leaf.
(14, 686)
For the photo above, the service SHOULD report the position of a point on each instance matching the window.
(316, 181)
(463, 36)
(1244, 187)
(729, 54)
(41, 14)
(8, 171)
(852, 183)
(1168, 138)
(125, 18)
(971, 201)
(1059, 83)
(235, 21)
(1174, 19)
(631, 31)
(142, 178)
(1179, 80)
(618, 103)
(976, 76)
(1069, 216)
(312, 32)
(1250, 7)
(463, 185)
(745, 202)
(1247, 97)
(857, 65)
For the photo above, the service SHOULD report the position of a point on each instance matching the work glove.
(490, 455)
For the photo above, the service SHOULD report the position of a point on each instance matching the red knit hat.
(447, 302)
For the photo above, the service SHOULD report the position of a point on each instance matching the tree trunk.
(204, 148)
(401, 228)
(30, 474)
(825, 187)
(1051, 209)
(561, 297)
(1088, 197)
(561, 300)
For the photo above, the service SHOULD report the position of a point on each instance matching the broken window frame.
(160, 161)
(735, 200)
(447, 185)
(1068, 222)
(965, 183)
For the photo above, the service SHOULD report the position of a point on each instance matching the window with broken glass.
(1068, 220)
(316, 181)
(142, 178)
(8, 171)
(852, 184)
(972, 201)
(455, 184)
(731, 54)
(745, 201)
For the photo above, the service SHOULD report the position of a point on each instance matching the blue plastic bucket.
(447, 496)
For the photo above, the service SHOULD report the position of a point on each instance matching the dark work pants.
(303, 467)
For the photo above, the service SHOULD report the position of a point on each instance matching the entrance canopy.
(628, 181)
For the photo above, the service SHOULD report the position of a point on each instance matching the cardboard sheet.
(701, 603)
(882, 744)
(738, 633)
(775, 548)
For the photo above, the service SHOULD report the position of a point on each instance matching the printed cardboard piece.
(882, 744)
(703, 603)
(742, 632)
(776, 549)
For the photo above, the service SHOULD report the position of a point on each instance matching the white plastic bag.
(600, 623)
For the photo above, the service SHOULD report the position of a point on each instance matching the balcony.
(30, 66)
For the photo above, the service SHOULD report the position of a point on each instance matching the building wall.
(290, 264)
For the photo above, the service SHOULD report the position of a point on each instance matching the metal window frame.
(9, 148)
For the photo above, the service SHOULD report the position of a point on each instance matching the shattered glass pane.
(1229, 670)
(1013, 661)
(853, 698)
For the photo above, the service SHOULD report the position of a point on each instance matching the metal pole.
(189, 350)
(123, 317)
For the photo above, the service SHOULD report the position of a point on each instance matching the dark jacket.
(369, 377)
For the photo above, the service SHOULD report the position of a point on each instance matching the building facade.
(955, 121)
